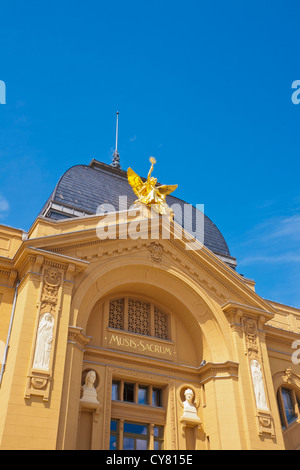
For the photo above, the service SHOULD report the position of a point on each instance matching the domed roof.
(82, 188)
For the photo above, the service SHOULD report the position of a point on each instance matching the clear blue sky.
(205, 87)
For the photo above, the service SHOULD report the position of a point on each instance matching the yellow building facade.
(130, 340)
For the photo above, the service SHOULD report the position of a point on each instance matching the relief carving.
(264, 418)
(44, 342)
(52, 280)
(265, 424)
(39, 377)
(250, 328)
(288, 376)
(38, 383)
(156, 252)
(258, 385)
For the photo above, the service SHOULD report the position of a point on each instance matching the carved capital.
(235, 311)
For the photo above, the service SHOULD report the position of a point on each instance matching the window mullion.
(152, 329)
(136, 392)
(150, 397)
(151, 436)
(121, 433)
(121, 392)
(126, 314)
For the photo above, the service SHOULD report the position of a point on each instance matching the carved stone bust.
(89, 391)
(189, 407)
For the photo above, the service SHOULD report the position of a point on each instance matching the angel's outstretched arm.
(149, 174)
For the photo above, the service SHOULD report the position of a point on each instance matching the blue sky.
(205, 87)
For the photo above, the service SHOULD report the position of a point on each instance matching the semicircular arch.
(164, 286)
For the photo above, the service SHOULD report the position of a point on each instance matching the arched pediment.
(286, 378)
(170, 288)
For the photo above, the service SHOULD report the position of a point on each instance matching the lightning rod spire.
(116, 156)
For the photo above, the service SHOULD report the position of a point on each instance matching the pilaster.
(259, 411)
(37, 350)
(70, 401)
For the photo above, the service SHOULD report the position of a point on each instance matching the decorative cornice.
(215, 371)
(77, 337)
(235, 311)
(35, 258)
(222, 277)
(281, 335)
(203, 372)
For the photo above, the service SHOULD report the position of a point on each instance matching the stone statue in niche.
(89, 391)
(44, 342)
(258, 385)
(189, 408)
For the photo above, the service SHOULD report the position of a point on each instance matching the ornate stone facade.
(100, 334)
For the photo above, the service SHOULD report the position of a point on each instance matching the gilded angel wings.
(147, 191)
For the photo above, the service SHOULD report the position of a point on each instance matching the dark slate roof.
(83, 188)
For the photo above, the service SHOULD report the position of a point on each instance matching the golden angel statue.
(150, 194)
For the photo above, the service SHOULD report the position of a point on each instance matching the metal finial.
(116, 156)
(117, 130)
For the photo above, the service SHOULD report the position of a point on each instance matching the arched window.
(289, 406)
(138, 316)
